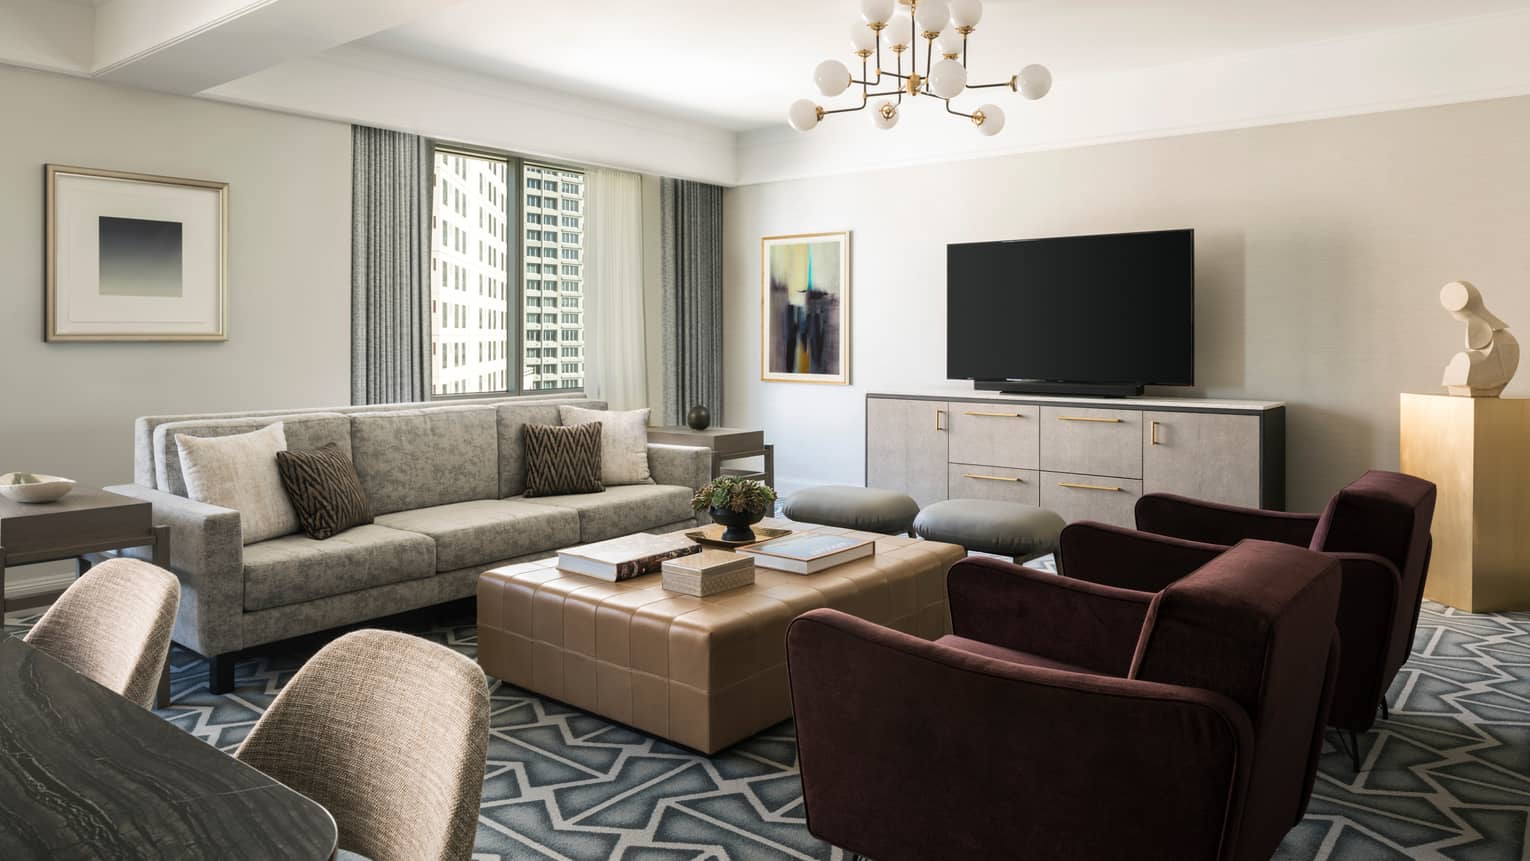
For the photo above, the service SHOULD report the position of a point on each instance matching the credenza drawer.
(1090, 497)
(1091, 441)
(993, 482)
(997, 434)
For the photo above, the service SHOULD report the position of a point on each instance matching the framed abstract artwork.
(133, 257)
(805, 308)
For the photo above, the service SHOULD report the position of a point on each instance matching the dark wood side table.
(85, 521)
(726, 444)
(85, 773)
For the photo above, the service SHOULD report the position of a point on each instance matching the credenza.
(1084, 458)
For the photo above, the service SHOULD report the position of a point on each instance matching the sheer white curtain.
(614, 354)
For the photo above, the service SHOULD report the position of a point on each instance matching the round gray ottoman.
(990, 526)
(863, 508)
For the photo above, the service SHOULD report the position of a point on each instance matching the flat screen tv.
(1077, 314)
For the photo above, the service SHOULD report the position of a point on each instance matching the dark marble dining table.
(84, 773)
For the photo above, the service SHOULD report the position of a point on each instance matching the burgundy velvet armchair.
(1067, 720)
(1377, 527)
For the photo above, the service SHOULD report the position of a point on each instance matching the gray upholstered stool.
(990, 526)
(865, 508)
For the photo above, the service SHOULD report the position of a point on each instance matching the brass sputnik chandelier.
(934, 25)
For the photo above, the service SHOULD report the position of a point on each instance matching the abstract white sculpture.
(1492, 354)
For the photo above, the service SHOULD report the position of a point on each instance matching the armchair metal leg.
(1349, 742)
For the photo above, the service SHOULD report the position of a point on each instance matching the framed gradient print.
(134, 257)
(805, 308)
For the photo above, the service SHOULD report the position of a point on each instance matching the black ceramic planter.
(738, 523)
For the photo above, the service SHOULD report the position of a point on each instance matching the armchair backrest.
(1387, 514)
(1256, 624)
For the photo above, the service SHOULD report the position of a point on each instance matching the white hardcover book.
(810, 553)
(626, 557)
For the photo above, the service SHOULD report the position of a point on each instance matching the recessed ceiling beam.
(187, 46)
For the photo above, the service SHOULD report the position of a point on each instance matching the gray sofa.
(446, 485)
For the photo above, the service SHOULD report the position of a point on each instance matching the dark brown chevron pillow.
(324, 489)
(562, 459)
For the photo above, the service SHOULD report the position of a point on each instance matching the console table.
(726, 444)
(1084, 458)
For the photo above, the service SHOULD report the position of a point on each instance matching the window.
(483, 300)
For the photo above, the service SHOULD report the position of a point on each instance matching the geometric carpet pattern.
(1446, 777)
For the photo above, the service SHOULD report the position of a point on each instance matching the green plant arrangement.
(737, 503)
(741, 495)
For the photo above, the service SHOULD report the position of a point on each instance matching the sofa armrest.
(1214, 523)
(1127, 559)
(207, 555)
(680, 465)
(908, 748)
(1071, 621)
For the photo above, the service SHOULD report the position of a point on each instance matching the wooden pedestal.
(1477, 451)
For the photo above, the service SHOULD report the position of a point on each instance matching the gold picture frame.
(134, 256)
(805, 317)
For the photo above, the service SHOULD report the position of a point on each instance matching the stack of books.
(708, 572)
(627, 557)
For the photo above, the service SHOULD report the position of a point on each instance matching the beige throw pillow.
(623, 443)
(240, 472)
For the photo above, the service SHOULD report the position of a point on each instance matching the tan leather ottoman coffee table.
(702, 672)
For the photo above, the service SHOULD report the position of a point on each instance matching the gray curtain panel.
(692, 239)
(390, 266)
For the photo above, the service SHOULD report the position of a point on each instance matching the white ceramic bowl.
(47, 488)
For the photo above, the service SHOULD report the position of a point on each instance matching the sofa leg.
(220, 674)
(1386, 713)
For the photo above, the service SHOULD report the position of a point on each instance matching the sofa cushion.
(307, 430)
(484, 531)
(512, 418)
(623, 442)
(624, 510)
(561, 461)
(325, 490)
(295, 569)
(240, 472)
(421, 458)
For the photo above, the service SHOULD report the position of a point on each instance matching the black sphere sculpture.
(699, 418)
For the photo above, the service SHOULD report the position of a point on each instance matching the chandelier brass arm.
(946, 27)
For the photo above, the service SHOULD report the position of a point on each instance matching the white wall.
(1321, 248)
(68, 409)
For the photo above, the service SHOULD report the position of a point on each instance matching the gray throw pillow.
(623, 444)
(562, 460)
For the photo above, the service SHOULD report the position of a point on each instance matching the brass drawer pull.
(995, 415)
(940, 425)
(1153, 433)
(1015, 479)
(1089, 419)
(1078, 486)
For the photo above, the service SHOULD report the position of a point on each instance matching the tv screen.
(1113, 309)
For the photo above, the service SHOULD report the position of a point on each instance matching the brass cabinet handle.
(995, 415)
(1153, 433)
(1015, 479)
(1089, 419)
(939, 414)
(1077, 486)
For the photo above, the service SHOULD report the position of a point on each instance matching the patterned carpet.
(1447, 777)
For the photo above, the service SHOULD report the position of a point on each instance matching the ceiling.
(737, 65)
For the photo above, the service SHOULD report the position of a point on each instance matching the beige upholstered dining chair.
(113, 626)
(390, 733)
